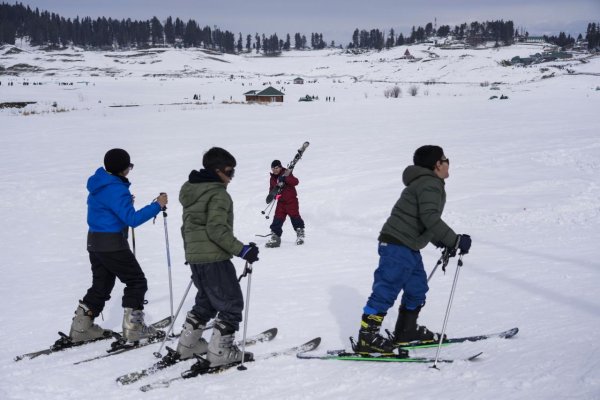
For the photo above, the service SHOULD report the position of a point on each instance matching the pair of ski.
(117, 347)
(202, 365)
(349, 356)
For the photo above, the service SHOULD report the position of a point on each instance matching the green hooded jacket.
(416, 218)
(207, 228)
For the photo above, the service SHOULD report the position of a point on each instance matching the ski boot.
(191, 342)
(300, 236)
(274, 241)
(83, 328)
(134, 328)
(369, 339)
(221, 349)
(407, 329)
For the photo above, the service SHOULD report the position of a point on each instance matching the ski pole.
(157, 353)
(133, 240)
(164, 213)
(247, 271)
(458, 266)
(270, 208)
(133, 229)
(436, 267)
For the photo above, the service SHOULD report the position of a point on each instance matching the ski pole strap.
(247, 270)
(448, 253)
(267, 235)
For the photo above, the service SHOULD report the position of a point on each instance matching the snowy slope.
(523, 182)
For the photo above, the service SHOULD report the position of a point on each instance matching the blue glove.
(463, 243)
(249, 253)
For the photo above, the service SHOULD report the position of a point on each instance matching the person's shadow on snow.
(346, 304)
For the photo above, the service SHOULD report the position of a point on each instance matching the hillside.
(523, 183)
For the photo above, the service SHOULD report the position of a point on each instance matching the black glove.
(281, 181)
(463, 243)
(249, 253)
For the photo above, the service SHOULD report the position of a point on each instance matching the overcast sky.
(337, 19)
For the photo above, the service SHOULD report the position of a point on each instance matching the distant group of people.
(210, 244)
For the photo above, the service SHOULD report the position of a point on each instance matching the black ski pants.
(219, 293)
(106, 267)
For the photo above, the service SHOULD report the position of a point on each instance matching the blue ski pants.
(400, 268)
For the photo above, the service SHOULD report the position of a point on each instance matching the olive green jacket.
(416, 218)
(207, 228)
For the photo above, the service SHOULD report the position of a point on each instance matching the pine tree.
(157, 31)
(190, 36)
(400, 40)
(179, 29)
(443, 31)
(391, 40)
(593, 35)
(355, 37)
(169, 31)
(428, 29)
(298, 41)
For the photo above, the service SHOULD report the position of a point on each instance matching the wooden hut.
(269, 95)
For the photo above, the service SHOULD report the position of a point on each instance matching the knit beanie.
(116, 161)
(218, 158)
(276, 163)
(428, 156)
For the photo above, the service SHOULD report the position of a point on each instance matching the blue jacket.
(110, 206)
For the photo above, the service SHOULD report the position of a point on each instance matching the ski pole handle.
(163, 208)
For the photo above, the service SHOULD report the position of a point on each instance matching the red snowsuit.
(287, 203)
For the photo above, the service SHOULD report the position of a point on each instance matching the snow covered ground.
(523, 182)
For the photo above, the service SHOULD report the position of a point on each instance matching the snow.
(523, 182)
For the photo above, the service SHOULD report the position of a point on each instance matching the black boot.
(407, 329)
(369, 339)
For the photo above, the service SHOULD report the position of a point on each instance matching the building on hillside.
(541, 58)
(299, 81)
(269, 95)
(535, 39)
(407, 55)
